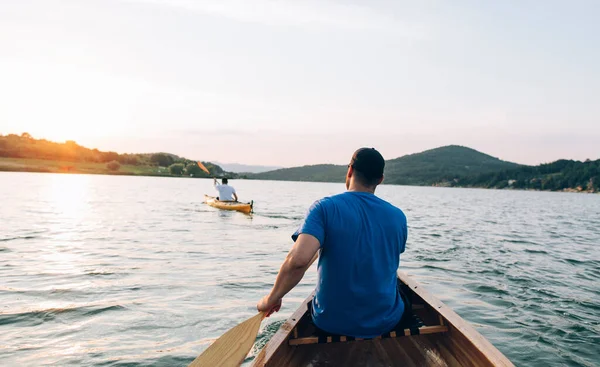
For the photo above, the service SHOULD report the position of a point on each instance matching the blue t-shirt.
(361, 237)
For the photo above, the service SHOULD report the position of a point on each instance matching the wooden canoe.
(229, 205)
(442, 339)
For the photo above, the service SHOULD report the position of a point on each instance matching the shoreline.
(25, 169)
(85, 168)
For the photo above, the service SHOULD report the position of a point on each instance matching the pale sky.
(303, 82)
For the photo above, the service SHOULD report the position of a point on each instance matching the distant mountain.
(458, 166)
(245, 168)
(431, 167)
(442, 164)
(316, 173)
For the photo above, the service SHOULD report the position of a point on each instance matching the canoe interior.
(461, 345)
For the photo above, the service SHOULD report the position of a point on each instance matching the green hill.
(316, 173)
(435, 166)
(24, 153)
(440, 165)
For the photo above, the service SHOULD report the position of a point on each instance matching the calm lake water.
(107, 270)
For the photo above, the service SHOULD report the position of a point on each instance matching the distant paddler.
(226, 192)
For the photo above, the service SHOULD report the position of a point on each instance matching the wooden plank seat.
(410, 326)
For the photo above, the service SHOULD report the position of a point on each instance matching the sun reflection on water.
(67, 198)
(68, 195)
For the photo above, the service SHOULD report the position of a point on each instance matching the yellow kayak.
(229, 205)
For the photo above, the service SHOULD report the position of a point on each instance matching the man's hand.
(268, 306)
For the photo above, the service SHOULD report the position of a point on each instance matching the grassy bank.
(42, 165)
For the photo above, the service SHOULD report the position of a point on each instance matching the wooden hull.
(445, 340)
(228, 205)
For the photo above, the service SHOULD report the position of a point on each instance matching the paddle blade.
(203, 168)
(232, 347)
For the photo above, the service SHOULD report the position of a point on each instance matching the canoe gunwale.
(283, 333)
(454, 321)
(463, 335)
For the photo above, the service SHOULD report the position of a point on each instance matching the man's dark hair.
(225, 181)
(368, 166)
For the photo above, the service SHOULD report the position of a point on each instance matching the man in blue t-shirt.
(360, 238)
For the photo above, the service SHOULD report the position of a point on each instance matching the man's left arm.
(404, 226)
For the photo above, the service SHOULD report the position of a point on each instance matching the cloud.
(300, 13)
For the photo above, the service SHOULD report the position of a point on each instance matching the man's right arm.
(304, 252)
(307, 242)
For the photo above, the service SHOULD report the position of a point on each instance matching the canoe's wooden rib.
(445, 339)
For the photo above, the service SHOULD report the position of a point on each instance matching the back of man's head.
(368, 165)
(225, 181)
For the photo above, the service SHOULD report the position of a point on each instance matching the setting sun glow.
(60, 103)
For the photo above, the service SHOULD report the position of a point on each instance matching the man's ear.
(381, 180)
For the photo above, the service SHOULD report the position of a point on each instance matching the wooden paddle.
(232, 347)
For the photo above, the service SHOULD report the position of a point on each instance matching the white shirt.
(225, 192)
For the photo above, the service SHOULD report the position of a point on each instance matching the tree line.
(25, 146)
(556, 176)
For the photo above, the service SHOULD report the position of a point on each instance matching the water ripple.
(136, 271)
(37, 317)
